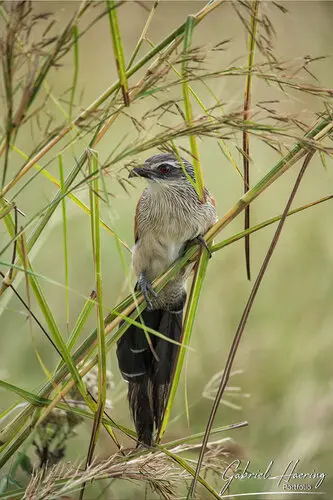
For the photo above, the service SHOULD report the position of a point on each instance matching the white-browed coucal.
(169, 216)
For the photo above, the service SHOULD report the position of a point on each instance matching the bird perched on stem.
(169, 216)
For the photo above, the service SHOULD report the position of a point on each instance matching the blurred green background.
(285, 356)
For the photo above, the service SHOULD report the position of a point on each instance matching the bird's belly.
(164, 252)
(154, 255)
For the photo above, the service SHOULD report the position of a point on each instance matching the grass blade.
(70, 195)
(75, 34)
(199, 435)
(64, 232)
(82, 319)
(96, 243)
(143, 34)
(118, 49)
(96, 246)
(246, 116)
(38, 401)
(185, 338)
(26, 395)
(199, 182)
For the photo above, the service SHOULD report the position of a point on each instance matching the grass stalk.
(143, 34)
(199, 182)
(96, 245)
(65, 235)
(118, 49)
(101, 351)
(75, 34)
(246, 116)
(82, 319)
(191, 310)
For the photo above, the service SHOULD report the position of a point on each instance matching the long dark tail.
(148, 369)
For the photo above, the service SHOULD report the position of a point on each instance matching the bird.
(169, 217)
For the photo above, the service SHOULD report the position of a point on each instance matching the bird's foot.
(202, 242)
(146, 287)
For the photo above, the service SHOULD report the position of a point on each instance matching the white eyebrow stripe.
(130, 375)
(137, 351)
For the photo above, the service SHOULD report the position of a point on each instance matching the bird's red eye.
(164, 168)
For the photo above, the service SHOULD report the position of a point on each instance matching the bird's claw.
(146, 287)
(201, 240)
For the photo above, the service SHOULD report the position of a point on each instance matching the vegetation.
(164, 98)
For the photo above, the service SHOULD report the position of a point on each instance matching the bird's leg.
(202, 242)
(146, 287)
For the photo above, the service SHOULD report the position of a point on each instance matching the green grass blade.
(47, 214)
(38, 401)
(190, 23)
(56, 334)
(118, 49)
(96, 246)
(26, 395)
(64, 232)
(132, 321)
(143, 34)
(6, 209)
(186, 335)
(75, 34)
(55, 202)
(199, 435)
(81, 320)
(16, 440)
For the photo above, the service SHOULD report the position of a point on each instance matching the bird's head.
(165, 169)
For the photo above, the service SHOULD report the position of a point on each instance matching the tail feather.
(148, 377)
(141, 408)
(170, 326)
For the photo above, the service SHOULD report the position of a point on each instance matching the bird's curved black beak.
(140, 172)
